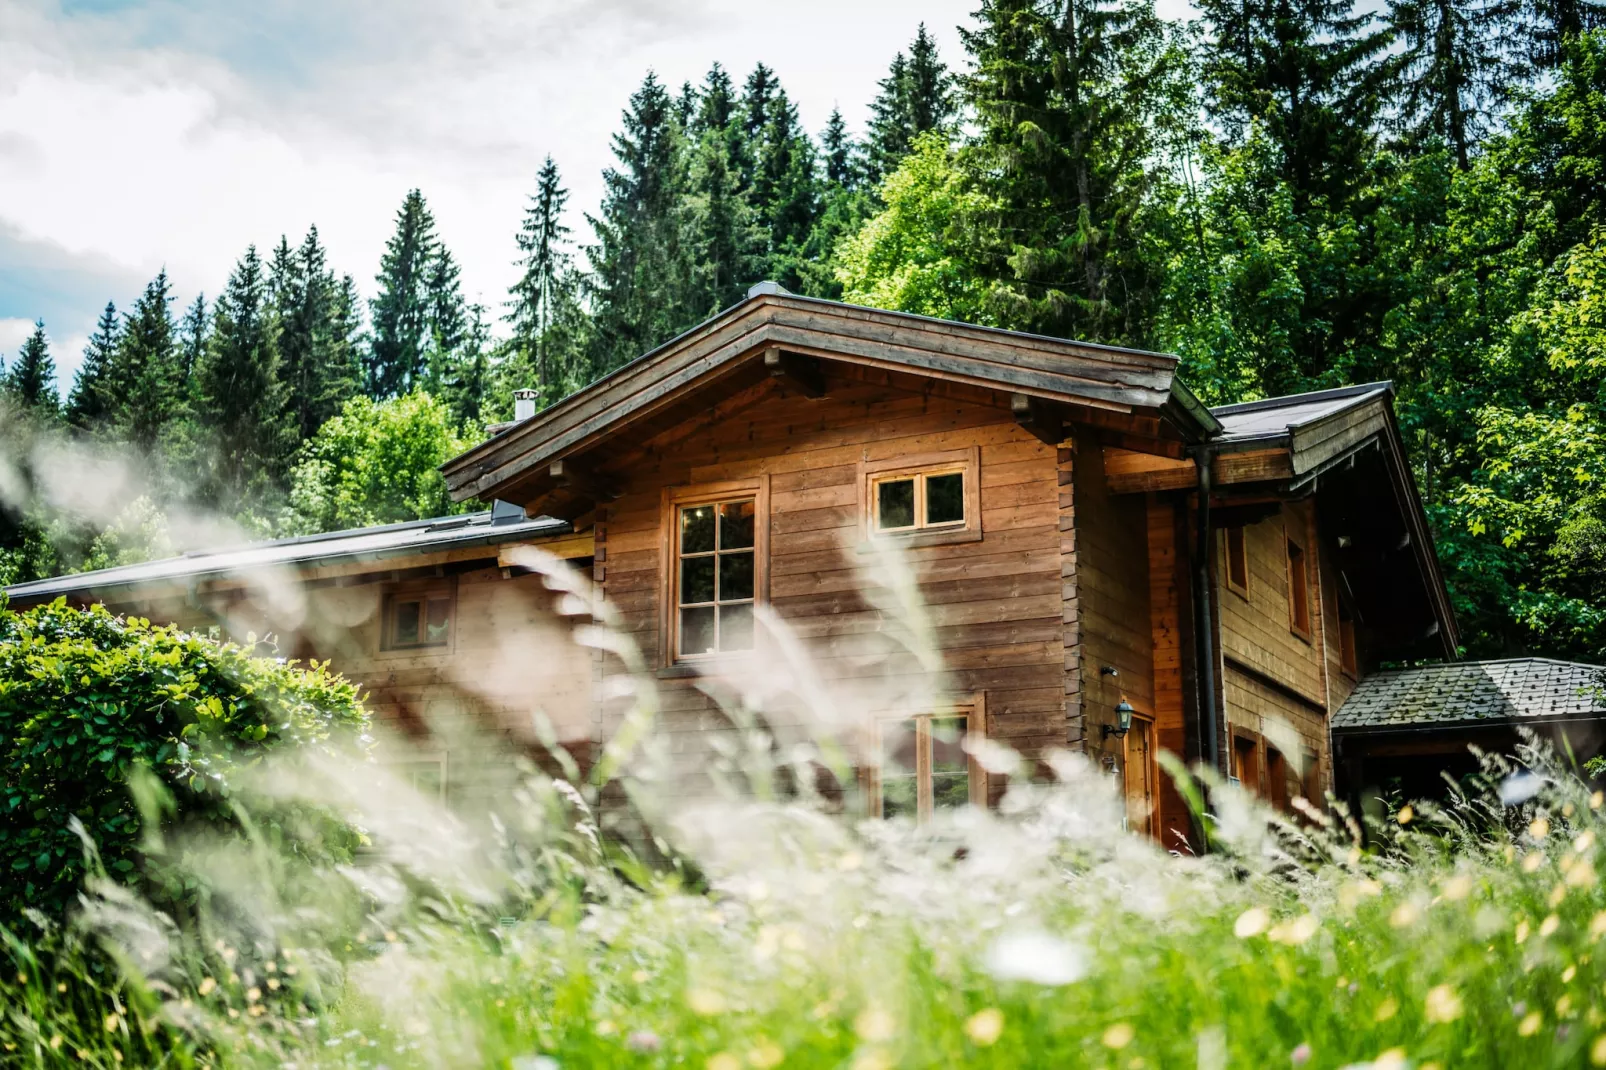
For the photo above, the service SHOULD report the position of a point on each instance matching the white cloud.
(174, 134)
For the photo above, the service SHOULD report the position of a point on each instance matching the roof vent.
(768, 286)
(506, 513)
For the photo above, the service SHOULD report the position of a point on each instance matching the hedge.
(88, 698)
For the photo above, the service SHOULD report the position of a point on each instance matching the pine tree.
(448, 317)
(917, 95)
(144, 384)
(726, 243)
(839, 153)
(545, 284)
(1455, 67)
(31, 381)
(785, 193)
(1066, 94)
(639, 265)
(753, 115)
(1313, 73)
(313, 312)
(402, 313)
(240, 397)
(1550, 24)
(192, 341)
(89, 404)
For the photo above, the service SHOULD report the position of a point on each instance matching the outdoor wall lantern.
(1123, 719)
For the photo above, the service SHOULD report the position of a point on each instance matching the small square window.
(920, 502)
(415, 621)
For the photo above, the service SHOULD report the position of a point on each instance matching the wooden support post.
(801, 373)
(574, 476)
(1038, 416)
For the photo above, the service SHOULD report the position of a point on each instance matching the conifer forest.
(1288, 194)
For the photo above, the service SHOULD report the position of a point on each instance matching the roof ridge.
(1356, 390)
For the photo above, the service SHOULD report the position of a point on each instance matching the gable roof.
(770, 319)
(1474, 692)
(501, 524)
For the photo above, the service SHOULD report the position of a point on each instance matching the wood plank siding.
(994, 605)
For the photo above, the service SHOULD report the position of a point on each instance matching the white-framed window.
(921, 764)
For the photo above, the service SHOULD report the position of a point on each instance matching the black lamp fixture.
(1123, 719)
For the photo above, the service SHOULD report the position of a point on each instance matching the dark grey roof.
(504, 523)
(1468, 692)
(1276, 417)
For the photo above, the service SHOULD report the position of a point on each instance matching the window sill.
(922, 538)
(690, 668)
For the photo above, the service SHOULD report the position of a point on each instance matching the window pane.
(407, 623)
(945, 499)
(735, 525)
(950, 765)
(735, 576)
(440, 620)
(895, 504)
(899, 790)
(736, 627)
(697, 530)
(696, 580)
(697, 631)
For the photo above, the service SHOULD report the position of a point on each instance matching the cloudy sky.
(137, 134)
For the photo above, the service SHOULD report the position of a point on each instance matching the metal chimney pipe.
(524, 403)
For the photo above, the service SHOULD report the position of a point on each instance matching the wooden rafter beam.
(801, 373)
(574, 476)
(1039, 417)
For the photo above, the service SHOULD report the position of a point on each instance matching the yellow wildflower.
(985, 1027)
(874, 1024)
(1442, 1004)
(724, 1061)
(1386, 1010)
(765, 1054)
(1530, 1024)
(1118, 1036)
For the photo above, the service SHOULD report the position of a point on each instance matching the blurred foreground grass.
(1041, 935)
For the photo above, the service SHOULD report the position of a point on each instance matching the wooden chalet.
(1109, 565)
(1106, 564)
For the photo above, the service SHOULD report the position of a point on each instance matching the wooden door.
(1142, 797)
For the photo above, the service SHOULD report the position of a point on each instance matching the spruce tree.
(839, 153)
(313, 312)
(31, 380)
(546, 283)
(401, 314)
(1313, 74)
(785, 194)
(89, 403)
(192, 341)
(1455, 67)
(1066, 96)
(716, 104)
(448, 317)
(726, 243)
(639, 266)
(240, 397)
(1550, 24)
(144, 385)
(917, 95)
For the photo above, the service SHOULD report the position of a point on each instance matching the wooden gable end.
(793, 340)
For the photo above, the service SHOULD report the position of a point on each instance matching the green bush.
(88, 699)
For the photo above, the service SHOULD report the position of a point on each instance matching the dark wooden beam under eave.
(576, 478)
(1039, 417)
(797, 371)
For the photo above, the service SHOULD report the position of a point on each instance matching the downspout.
(1204, 617)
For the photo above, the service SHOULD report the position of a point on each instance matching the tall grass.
(615, 918)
